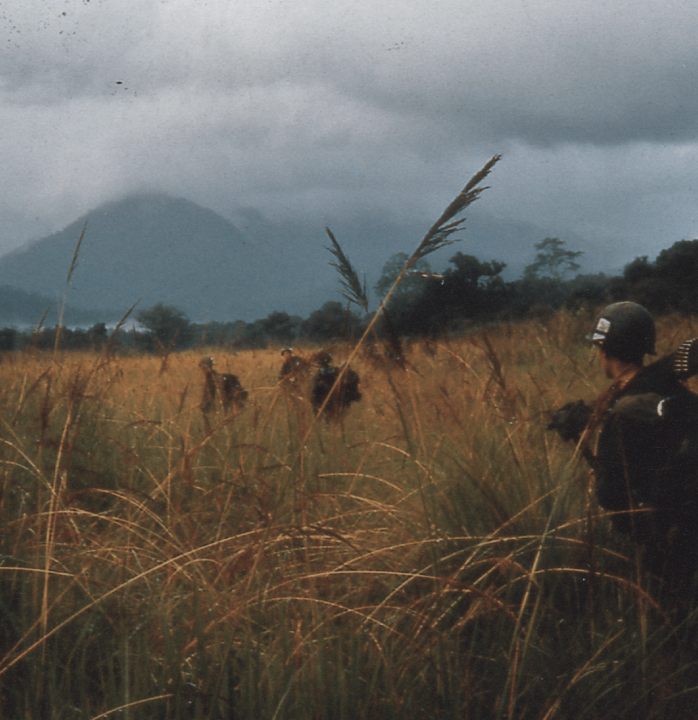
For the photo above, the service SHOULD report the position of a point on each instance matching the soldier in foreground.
(646, 455)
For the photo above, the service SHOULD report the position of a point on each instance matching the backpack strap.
(601, 406)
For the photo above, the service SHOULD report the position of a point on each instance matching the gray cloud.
(345, 110)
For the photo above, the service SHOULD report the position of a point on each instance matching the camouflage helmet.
(624, 330)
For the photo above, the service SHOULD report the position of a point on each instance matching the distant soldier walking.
(293, 368)
(226, 386)
(646, 455)
(342, 396)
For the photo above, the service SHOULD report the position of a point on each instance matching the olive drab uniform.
(646, 466)
(645, 461)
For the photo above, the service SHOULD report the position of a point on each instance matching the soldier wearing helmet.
(645, 460)
(624, 331)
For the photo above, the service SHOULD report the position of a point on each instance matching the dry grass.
(436, 555)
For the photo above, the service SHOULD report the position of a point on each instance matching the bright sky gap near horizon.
(305, 110)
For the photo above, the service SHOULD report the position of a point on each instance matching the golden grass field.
(437, 554)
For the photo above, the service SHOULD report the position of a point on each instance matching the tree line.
(470, 291)
(426, 304)
(167, 328)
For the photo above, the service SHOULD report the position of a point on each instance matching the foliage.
(421, 304)
(552, 260)
(669, 283)
(413, 283)
(470, 290)
(279, 328)
(168, 324)
(332, 321)
(8, 339)
(93, 338)
(679, 263)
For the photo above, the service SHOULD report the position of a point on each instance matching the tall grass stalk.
(73, 265)
(438, 236)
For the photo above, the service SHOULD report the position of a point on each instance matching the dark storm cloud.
(606, 73)
(538, 72)
(344, 109)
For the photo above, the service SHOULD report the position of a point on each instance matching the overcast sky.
(310, 109)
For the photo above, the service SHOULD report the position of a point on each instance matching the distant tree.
(656, 294)
(253, 335)
(587, 290)
(471, 271)
(639, 269)
(280, 327)
(552, 260)
(8, 339)
(669, 283)
(333, 320)
(679, 263)
(677, 267)
(411, 285)
(98, 335)
(167, 324)
(470, 290)
(474, 290)
(219, 333)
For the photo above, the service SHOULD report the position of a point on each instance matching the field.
(438, 554)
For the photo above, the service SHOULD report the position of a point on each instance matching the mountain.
(159, 249)
(20, 308)
(370, 241)
(156, 248)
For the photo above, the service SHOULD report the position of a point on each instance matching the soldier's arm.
(570, 420)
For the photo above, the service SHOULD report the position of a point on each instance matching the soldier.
(646, 455)
(346, 392)
(208, 394)
(231, 391)
(293, 368)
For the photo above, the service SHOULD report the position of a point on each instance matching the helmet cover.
(624, 330)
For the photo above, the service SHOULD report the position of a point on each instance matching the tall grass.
(436, 555)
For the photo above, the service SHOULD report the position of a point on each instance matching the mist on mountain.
(151, 248)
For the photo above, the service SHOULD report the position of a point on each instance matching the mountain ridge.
(150, 248)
